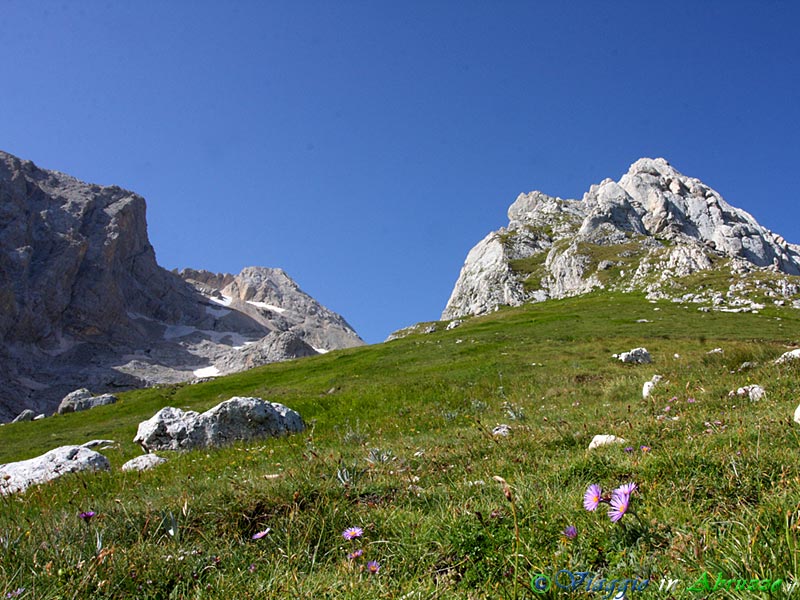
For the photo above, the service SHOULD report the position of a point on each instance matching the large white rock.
(18, 476)
(605, 440)
(235, 419)
(788, 356)
(25, 415)
(83, 399)
(143, 462)
(754, 392)
(637, 356)
(648, 386)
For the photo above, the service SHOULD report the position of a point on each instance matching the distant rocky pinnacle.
(650, 228)
(83, 302)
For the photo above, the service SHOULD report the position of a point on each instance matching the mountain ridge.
(653, 226)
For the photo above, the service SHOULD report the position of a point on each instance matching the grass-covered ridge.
(399, 444)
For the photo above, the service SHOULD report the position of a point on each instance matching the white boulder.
(25, 415)
(754, 392)
(96, 443)
(648, 386)
(788, 356)
(143, 462)
(235, 419)
(18, 476)
(637, 356)
(83, 399)
(501, 430)
(605, 440)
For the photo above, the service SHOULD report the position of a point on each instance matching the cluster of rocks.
(83, 399)
(649, 229)
(237, 419)
(76, 401)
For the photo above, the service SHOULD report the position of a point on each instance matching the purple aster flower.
(352, 532)
(667, 408)
(619, 505)
(691, 400)
(626, 489)
(373, 566)
(571, 532)
(87, 515)
(252, 568)
(628, 449)
(261, 534)
(592, 497)
(645, 448)
(355, 554)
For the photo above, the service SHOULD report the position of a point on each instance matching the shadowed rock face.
(76, 260)
(650, 227)
(83, 302)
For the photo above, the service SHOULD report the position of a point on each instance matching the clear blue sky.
(366, 146)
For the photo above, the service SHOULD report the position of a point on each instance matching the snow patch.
(271, 307)
(211, 371)
(321, 350)
(243, 346)
(226, 300)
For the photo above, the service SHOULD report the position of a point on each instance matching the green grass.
(399, 443)
(532, 269)
(622, 256)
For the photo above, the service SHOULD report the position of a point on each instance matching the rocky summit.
(649, 231)
(83, 302)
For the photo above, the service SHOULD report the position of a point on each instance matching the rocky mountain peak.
(654, 219)
(83, 302)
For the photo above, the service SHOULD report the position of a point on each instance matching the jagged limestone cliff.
(83, 302)
(649, 229)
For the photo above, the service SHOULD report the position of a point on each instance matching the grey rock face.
(641, 232)
(84, 303)
(143, 462)
(271, 298)
(235, 419)
(272, 348)
(83, 399)
(19, 476)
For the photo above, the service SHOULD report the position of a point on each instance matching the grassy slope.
(403, 449)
